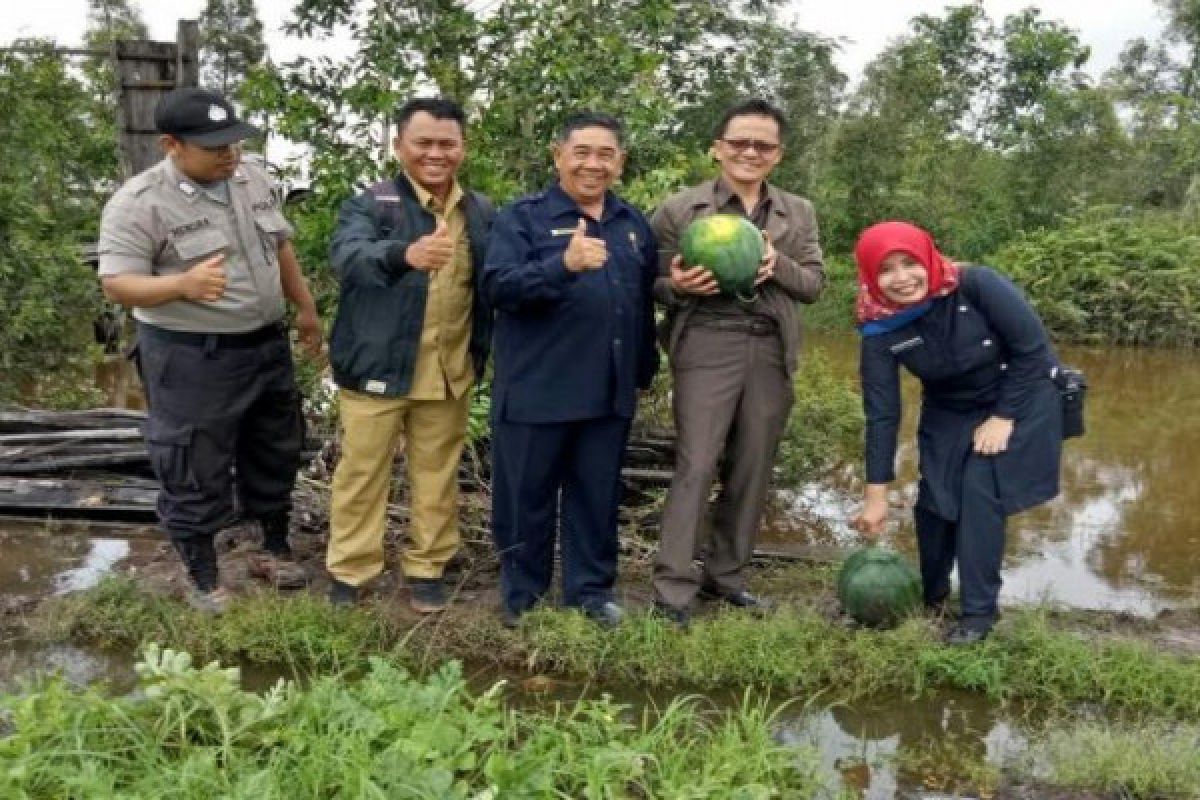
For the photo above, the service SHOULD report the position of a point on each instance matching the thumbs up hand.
(584, 252)
(433, 251)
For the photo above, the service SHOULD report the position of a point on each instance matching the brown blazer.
(799, 269)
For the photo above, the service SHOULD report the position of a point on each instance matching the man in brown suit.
(732, 361)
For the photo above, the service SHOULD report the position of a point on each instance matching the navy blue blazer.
(978, 352)
(569, 346)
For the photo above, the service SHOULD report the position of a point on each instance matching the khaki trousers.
(731, 395)
(433, 432)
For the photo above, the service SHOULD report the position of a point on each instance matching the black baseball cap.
(201, 117)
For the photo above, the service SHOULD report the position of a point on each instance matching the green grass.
(795, 649)
(195, 733)
(1155, 760)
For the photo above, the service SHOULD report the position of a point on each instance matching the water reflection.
(947, 742)
(54, 557)
(22, 662)
(1123, 534)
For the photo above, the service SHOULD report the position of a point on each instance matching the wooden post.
(187, 61)
(145, 71)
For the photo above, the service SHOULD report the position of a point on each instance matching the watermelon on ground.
(729, 246)
(878, 587)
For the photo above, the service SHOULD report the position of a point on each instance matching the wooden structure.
(145, 71)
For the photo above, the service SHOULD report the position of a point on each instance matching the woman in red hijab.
(989, 438)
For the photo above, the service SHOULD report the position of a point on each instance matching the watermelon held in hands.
(878, 587)
(727, 245)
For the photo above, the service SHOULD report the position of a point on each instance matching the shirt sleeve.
(666, 232)
(358, 252)
(799, 262)
(1026, 343)
(514, 280)
(648, 354)
(880, 378)
(127, 244)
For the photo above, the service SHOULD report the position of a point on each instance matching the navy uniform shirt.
(978, 352)
(569, 345)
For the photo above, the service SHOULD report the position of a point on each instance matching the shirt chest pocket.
(272, 231)
(548, 245)
(974, 343)
(195, 246)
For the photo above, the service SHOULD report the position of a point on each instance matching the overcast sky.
(866, 25)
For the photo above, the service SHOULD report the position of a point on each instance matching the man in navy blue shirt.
(570, 272)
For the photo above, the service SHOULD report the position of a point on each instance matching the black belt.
(212, 340)
(755, 326)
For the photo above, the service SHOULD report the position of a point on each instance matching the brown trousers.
(731, 395)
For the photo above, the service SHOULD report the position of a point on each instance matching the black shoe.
(607, 614)
(680, 617)
(510, 619)
(962, 636)
(426, 595)
(341, 594)
(741, 599)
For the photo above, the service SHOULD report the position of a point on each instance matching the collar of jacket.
(559, 203)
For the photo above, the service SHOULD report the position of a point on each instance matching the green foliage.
(1148, 760)
(834, 311)
(48, 209)
(825, 429)
(194, 733)
(520, 69)
(1112, 278)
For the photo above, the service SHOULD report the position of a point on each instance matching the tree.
(974, 129)
(231, 43)
(520, 66)
(49, 206)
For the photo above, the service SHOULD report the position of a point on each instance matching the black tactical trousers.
(224, 433)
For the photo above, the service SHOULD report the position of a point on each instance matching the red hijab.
(881, 240)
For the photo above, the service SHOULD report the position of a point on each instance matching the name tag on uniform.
(907, 344)
(375, 387)
(562, 231)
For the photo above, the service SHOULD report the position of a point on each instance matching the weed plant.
(195, 733)
(1151, 760)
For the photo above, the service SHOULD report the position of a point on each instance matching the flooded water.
(1124, 534)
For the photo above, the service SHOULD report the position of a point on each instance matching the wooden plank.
(26, 420)
(87, 498)
(87, 434)
(148, 84)
(53, 463)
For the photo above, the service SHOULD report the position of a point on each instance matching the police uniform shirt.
(163, 223)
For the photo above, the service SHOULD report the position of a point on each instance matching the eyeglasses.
(757, 145)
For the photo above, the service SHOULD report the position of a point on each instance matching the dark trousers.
(732, 396)
(557, 477)
(975, 540)
(224, 432)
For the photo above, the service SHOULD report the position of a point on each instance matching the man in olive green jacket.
(731, 360)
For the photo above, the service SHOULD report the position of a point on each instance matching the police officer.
(197, 247)
(570, 272)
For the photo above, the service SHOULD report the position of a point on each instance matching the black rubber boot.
(199, 555)
(275, 533)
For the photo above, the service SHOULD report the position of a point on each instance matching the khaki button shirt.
(162, 223)
(443, 365)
